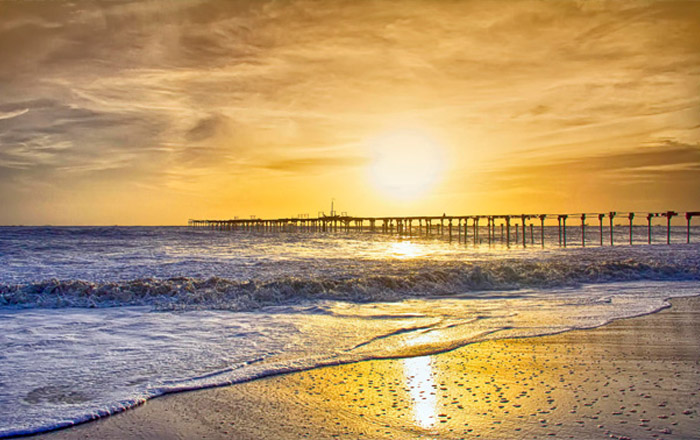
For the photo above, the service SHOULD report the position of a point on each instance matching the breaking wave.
(389, 283)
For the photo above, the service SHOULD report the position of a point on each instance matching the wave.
(388, 284)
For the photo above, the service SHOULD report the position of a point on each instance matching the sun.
(405, 164)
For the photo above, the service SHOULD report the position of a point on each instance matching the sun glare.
(404, 250)
(406, 164)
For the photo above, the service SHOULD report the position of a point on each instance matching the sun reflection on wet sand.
(623, 380)
(419, 379)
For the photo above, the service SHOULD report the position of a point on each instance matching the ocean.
(96, 320)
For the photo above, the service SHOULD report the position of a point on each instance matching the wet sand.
(634, 378)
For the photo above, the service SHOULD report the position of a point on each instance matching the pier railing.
(510, 230)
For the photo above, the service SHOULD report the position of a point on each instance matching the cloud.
(67, 137)
(200, 91)
(310, 165)
(664, 175)
(667, 156)
(13, 114)
(206, 128)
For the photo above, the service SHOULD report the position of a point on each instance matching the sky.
(154, 112)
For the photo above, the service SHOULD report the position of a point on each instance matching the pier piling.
(563, 221)
(542, 217)
(688, 217)
(669, 215)
(612, 216)
(630, 216)
(508, 231)
(559, 221)
(466, 230)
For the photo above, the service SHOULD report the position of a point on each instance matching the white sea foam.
(65, 366)
(272, 305)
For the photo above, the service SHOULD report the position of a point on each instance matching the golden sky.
(153, 112)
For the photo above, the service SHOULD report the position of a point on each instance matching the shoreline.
(444, 395)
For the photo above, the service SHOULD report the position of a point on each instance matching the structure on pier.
(449, 226)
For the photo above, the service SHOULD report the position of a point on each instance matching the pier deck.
(513, 229)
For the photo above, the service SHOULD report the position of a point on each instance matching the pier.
(512, 230)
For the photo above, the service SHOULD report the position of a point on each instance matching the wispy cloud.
(313, 164)
(204, 91)
(662, 175)
(13, 114)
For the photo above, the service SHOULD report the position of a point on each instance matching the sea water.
(97, 320)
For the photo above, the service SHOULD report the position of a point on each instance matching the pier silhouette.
(515, 230)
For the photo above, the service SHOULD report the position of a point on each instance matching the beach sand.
(634, 378)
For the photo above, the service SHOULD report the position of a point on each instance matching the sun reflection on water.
(405, 250)
(419, 379)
